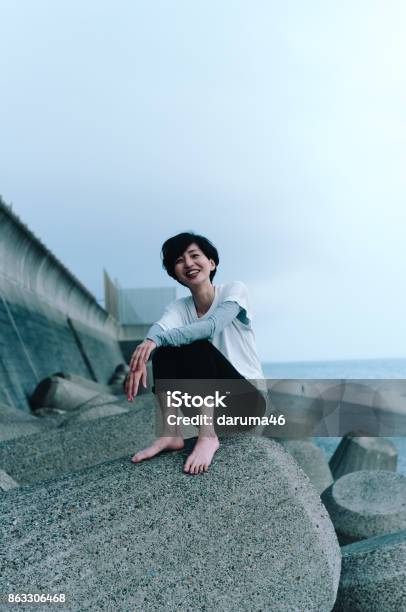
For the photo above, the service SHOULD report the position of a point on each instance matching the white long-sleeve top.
(227, 325)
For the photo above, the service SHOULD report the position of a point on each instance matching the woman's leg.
(202, 361)
(170, 437)
(199, 360)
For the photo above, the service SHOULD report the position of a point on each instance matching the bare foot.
(201, 456)
(165, 443)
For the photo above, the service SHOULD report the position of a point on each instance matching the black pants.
(208, 371)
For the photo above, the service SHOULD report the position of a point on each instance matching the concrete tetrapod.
(78, 445)
(312, 460)
(363, 453)
(115, 386)
(366, 504)
(373, 577)
(250, 534)
(84, 382)
(63, 394)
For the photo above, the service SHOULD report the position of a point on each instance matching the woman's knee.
(199, 346)
(161, 353)
(196, 347)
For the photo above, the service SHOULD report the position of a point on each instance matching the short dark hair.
(174, 247)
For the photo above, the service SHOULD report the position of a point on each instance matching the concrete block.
(390, 398)
(312, 460)
(363, 453)
(115, 386)
(79, 444)
(373, 577)
(149, 537)
(306, 403)
(366, 504)
(63, 394)
(6, 482)
(85, 382)
(36, 341)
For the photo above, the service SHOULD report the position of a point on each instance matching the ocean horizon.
(346, 368)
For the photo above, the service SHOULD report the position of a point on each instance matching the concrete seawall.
(49, 321)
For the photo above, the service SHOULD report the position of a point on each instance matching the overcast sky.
(275, 128)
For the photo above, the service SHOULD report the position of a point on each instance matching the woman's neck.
(203, 297)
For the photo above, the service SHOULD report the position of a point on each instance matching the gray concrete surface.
(102, 410)
(79, 443)
(116, 382)
(373, 577)
(119, 374)
(366, 504)
(86, 382)
(147, 537)
(308, 403)
(390, 397)
(312, 460)
(64, 394)
(16, 423)
(101, 349)
(48, 320)
(363, 453)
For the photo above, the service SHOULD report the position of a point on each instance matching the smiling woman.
(207, 335)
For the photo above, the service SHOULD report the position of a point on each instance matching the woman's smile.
(192, 273)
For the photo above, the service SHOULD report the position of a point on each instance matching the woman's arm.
(199, 330)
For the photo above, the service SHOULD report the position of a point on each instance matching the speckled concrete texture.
(15, 423)
(249, 535)
(373, 577)
(104, 409)
(6, 482)
(362, 453)
(79, 444)
(366, 504)
(312, 460)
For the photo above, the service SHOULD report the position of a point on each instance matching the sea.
(344, 369)
(356, 368)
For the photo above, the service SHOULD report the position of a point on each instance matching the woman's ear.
(212, 264)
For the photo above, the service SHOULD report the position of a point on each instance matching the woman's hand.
(132, 382)
(138, 369)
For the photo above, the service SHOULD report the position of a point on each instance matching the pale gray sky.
(277, 129)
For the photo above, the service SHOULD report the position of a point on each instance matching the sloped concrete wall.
(49, 321)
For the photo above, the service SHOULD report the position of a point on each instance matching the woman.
(205, 336)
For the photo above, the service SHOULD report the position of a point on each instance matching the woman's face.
(193, 267)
